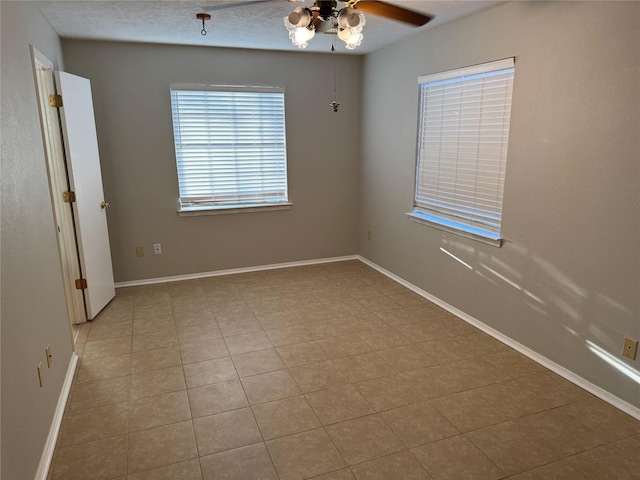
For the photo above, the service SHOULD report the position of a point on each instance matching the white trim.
(463, 230)
(234, 271)
(198, 211)
(508, 62)
(49, 446)
(535, 356)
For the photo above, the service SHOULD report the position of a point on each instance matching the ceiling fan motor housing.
(326, 8)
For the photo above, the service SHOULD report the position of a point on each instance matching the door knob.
(104, 205)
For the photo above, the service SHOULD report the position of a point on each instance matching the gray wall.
(130, 85)
(33, 309)
(567, 281)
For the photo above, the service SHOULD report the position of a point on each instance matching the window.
(463, 134)
(230, 148)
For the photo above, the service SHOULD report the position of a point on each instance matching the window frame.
(246, 201)
(436, 206)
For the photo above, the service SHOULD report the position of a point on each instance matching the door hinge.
(69, 197)
(55, 101)
(81, 284)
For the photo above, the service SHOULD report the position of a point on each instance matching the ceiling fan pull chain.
(203, 17)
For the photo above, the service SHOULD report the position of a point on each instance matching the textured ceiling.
(234, 23)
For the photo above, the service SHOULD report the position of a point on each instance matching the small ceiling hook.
(203, 17)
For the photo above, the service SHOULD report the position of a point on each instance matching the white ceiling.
(254, 25)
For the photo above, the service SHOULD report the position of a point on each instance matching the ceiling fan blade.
(394, 12)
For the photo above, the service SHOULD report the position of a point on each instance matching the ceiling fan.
(324, 16)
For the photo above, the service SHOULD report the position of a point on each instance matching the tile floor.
(330, 372)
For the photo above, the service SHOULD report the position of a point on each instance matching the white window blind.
(230, 146)
(462, 146)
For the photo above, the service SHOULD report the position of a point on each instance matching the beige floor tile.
(187, 470)
(209, 371)
(512, 364)
(266, 305)
(343, 474)
(159, 410)
(107, 348)
(385, 338)
(406, 358)
(607, 462)
(488, 405)
(161, 323)
(92, 370)
(444, 351)
(418, 424)
(551, 389)
(217, 398)
(453, 325)
(607, 421)
(198, 332)
(246, 463)
(160, 446)
(445, 379)
(338, 404)
(234, 310)
(106, 330)
(364, 366)
(456, 458)
(422, 332)
(255, 363)
(398, 317)
(151, 298)
(226, 431)
(364, 439)
(156, 382)
(559, 470)
(289, 335)
(313, 314)
(155, 359)
(344, 346)
(285, 417)
(270, 386)
(80, 426)
(389, 392)
(154, 340)
(352, 307)
(408, 299)
(183, 317)
(401, 465)
(304, 455)
(99, 460)
(152, 310)
(279, 319)
(529, 442)
(318, 376)
(380, 304)
(201, 351)
(229, 328)
(102, 392)
(115, 314)
(480, 344)
(302, 353)
(332, 327)
(249, 342)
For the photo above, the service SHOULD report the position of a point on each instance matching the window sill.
(456, 228)
(199, 211)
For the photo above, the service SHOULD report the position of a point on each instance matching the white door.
(85, 179)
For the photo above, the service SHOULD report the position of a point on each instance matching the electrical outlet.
(47, 352)
(630, 348)
(369, 235)
(157, 249)
(140, 251)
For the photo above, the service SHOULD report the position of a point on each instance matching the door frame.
(58, 183)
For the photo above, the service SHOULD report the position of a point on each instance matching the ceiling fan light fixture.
(351, 18)
(299, 36)
(300, 17)
(351, 37)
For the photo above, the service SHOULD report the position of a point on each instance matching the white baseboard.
(533, 355)
(234, 271)
(49, 446)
